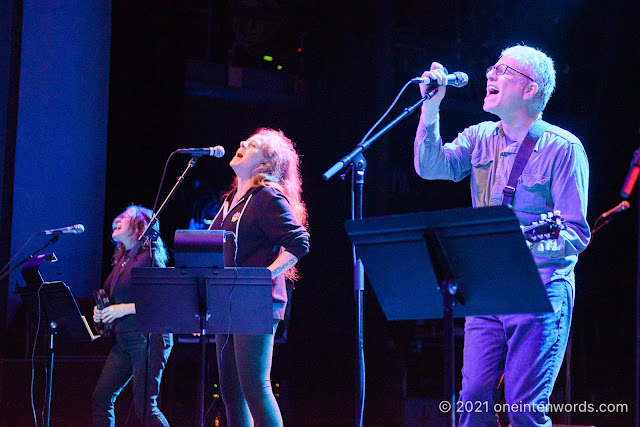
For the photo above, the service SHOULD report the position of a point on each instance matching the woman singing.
(265, 212)
(128, 356)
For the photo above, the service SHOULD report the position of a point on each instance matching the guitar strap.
(522, 157)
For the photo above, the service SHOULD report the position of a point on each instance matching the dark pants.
(127, 360)
(244, 366)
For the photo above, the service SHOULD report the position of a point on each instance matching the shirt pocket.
(481, 164)
(532, 194)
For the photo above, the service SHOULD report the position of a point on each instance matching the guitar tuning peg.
(556, 213)
(550, 214)
(543, 217)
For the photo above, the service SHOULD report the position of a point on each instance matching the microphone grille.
(461, 79)
(218, 151)
(79, 228)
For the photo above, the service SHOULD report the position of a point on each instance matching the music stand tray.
(238, 301)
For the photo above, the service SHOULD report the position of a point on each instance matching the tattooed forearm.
(284, 267)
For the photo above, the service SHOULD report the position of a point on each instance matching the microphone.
(217, 151)
(457, 79)
(623, 206)
(632, 176)
(74, 229)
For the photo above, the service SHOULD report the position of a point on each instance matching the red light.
(299, 49)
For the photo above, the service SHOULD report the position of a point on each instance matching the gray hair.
(537, 65)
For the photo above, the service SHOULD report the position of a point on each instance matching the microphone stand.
(606, 221)
(50, 242)
(357, 165)
(52, 331)
(150, 235)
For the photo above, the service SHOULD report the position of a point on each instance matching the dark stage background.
(191, 73)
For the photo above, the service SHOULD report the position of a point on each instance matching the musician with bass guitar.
(114, 313)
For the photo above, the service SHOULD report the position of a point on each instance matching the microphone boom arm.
(363, 146)
(151, 233)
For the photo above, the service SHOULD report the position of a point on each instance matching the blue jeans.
(244, 368)
(127, 360)
(527, 348)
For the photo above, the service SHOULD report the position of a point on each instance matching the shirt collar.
(498, 131)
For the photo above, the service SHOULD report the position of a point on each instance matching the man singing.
(527, 348)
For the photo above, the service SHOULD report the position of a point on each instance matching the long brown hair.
(139, 221)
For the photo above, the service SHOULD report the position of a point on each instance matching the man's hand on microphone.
(439, 73)
(431, 107)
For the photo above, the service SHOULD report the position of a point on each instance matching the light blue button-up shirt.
(556, 177)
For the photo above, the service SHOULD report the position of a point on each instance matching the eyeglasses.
(247, 144)
(502, 69)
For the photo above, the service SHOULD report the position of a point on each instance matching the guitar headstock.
(548, 228)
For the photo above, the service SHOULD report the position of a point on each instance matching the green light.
(279, 67)
(267, 58)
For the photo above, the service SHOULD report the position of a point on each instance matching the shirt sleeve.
(569, 189)
(434, 160)
(282, 228)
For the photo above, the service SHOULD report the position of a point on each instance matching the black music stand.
(53, 304)
(203, 300)
(446, 264)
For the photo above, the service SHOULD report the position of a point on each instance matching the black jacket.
(263, 227)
